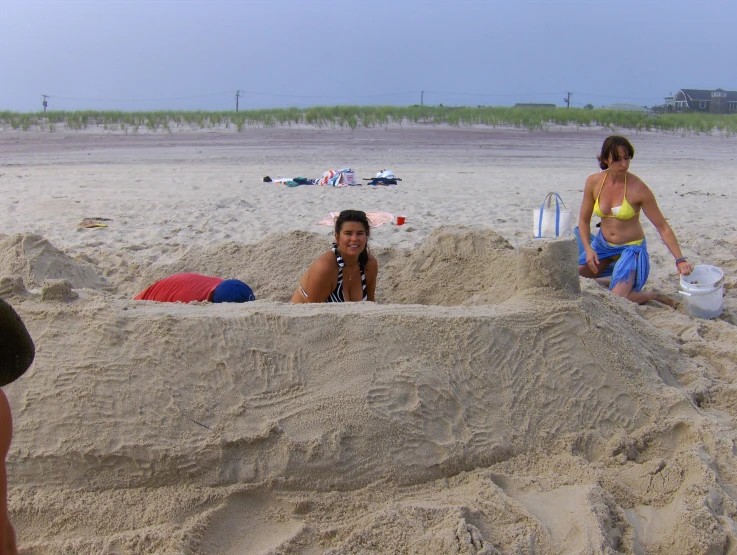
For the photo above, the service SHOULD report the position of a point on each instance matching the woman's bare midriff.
(619, 232)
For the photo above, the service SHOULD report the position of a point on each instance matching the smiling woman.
(333, 277)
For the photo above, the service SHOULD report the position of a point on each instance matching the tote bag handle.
(549, 201)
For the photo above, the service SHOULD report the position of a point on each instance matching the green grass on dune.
(372, 116)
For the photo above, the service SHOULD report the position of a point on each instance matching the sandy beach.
(488, 402)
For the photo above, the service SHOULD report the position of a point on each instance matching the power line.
(493, 94)
(253, 93)
(620, 97)
(139, 99)
(240, 93)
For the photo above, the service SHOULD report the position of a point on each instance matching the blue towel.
(632, 258)
(606, 272)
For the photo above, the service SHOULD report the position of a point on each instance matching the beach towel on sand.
(375, 218)
(337, 178)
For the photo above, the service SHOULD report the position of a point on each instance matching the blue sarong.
(632, 258)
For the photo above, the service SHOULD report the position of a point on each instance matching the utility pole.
(567, 100)
(44, 102)
(237, 96)
(422, 98)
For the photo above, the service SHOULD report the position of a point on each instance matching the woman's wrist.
(682, 259)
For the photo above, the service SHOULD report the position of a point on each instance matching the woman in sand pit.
(618, 197)
(345, 273)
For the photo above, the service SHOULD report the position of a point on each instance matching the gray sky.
(195, 54)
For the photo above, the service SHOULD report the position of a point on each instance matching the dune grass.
(353, 117)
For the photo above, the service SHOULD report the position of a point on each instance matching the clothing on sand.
(187, 288)
(291, 181)
(383, 177)
(383, 181)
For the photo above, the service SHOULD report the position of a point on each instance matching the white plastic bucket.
(704, 291)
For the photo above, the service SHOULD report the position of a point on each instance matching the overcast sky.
(195, 54)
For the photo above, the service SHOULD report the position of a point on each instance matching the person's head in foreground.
(16, 346)
(348, 271)
(232, 291)
(16, 355)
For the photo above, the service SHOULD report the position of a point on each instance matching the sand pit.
(490, 402)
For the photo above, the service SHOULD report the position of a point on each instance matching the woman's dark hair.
(355, 216)
(16, 347)
(611, 148)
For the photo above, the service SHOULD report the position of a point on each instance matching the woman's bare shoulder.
(637, 185)
(594, 179)
(325, 263)
(635, 181)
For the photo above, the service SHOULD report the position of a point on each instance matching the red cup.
(400, 220)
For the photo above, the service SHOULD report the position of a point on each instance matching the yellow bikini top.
(624, 212)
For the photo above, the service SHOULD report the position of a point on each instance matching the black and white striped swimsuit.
(337, 295)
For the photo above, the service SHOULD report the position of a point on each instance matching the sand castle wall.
(490, 388)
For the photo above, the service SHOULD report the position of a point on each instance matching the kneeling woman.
(345, 273)
(618, 197)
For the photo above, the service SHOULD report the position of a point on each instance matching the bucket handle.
(700, 293)
(717, 283)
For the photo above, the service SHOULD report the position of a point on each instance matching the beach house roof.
(706, 94)
(705, 100)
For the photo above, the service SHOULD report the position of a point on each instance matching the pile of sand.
(453, 266)
(35, 259)
(550, 422)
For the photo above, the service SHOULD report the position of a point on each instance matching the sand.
(489, 402)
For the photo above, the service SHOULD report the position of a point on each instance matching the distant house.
(716, 101)
(533, 105)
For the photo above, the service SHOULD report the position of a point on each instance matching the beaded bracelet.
(679, 260)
